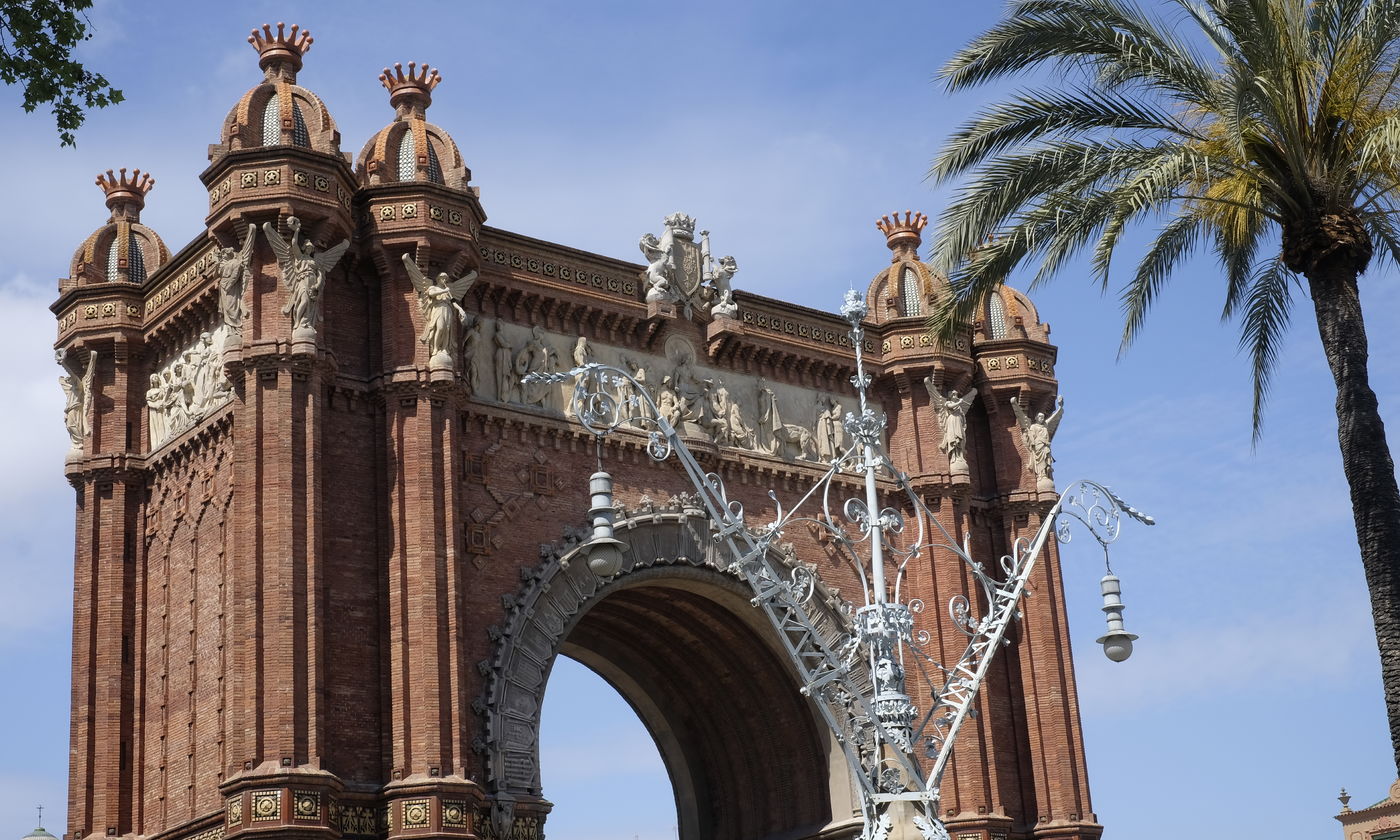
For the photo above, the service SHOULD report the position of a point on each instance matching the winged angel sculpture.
(442, 314)
(77, 395)
(1037, 434)
(304, 273)
(952, 414)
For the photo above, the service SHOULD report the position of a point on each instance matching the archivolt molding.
(553, 596)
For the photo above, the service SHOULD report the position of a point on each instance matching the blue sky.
(786, 129)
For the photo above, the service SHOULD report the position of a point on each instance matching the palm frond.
(1295, 116)
(1011, 182)
(1387, 238)
(1263, 323)
(1114, 38)
(1173, 242)
(1042, 115)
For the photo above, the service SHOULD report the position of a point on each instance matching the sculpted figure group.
(304, 271)
(188, 389)
(696, 405)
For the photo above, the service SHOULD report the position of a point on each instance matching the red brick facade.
(325, 606)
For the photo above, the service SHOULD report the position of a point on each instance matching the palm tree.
(1264, 131)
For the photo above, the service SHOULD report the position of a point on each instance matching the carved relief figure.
(203, 363)
(952, 415)
(830, 435)
(627, 393)
(1037, 434)
(77, 396)
(472, 354)
(536, 357)
(583, 352)
(176, 399)
(235, 267)
(786, 441)
(507, 384)
(442, 314)
(691, 391)
(155, 412)
(303, 275)
(668, 404)
(726, 422)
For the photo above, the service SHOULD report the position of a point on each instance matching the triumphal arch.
(324, 528)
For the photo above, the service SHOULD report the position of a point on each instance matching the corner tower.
(102, 351)
(1019, 769)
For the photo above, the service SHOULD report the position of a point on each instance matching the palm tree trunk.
(1375, 500)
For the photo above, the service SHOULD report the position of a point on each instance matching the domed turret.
(410, 148)
(123, 250)
(279, 112)
(1008, 313)
(39, 833)
(906, 288)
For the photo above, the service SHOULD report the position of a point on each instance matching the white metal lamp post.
(858, 678)
(604, 550)
(1117, 642)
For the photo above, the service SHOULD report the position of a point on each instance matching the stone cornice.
(126, 467)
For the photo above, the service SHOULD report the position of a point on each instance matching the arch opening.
(746, 754)
(593, 746)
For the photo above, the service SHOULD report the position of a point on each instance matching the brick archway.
(675, 634)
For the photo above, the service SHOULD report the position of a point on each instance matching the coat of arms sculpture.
(678, 268)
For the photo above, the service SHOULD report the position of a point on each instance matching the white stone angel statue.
(442, 314)
(1037, 434)
(303, 275)
(235, 266)
(952, 414)
(77, 396)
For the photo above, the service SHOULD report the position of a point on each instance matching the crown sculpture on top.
(903, 235)
(125, 195)
(678, 268)
(414, 88)
(279, 53)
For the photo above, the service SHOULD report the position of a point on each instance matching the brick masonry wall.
(280, 615)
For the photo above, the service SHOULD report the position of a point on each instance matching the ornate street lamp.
(857, 673)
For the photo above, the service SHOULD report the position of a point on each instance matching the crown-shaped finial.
(282, 48)
(126, 194)
(681, 224)
(414, 87)
(903, 235)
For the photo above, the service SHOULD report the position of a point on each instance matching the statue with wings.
(77, 395)
(952, 414)
(1037, 434)
(442, 314)
(235, 266)
(303, 274)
